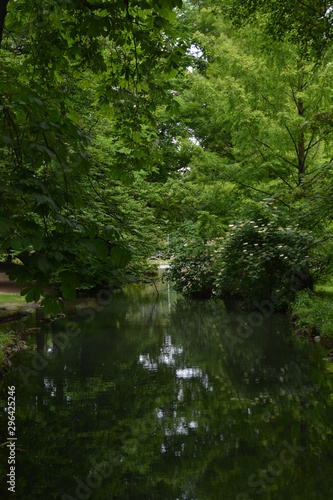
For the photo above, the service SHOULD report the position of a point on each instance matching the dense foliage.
(264, 258)
(259, 113)
(124, 122)
(79, 87)
(194, 269)
(313, 314)
(258, 259)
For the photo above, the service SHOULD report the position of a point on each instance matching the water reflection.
(166, 356)
(151, 390)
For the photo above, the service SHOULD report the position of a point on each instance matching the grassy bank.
(11, 298)
(313, 312)
(12, 307)
(6, 340)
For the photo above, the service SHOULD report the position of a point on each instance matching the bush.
(264, 257)
(194, 268)
(313, 313)
(268, 257)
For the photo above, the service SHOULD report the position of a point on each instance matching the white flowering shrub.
(263, 259)
(195, 267)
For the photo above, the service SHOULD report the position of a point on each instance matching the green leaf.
(43, 264)
(32, 293)
(120, 255)
(69, 282)
(52, 304)
(44, 199)
(19, 274)
(5, 224)
(6, 140)
(36, 100)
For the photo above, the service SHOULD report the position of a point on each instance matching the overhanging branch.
(3, 13)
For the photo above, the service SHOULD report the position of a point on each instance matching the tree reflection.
(157, 393)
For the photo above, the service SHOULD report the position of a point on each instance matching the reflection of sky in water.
(181, 427)
(147, 363)
(50, 385)
(167, 356)
(167, 353)
(185, 420)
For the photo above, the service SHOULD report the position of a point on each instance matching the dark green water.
(156, 398)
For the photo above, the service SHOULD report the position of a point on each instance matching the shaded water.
(156, 398)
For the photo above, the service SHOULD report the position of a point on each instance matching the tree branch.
(3, 13)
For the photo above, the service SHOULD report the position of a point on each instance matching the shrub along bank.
(266, 258)
(255, 260)
(312, 314)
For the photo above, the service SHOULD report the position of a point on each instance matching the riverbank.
(11, 341)
(312, 314)
(6, 339)
(12, 308)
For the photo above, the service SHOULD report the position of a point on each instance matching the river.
(147, 396)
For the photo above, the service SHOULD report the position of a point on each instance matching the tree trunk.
(3, 13)
(300, 109)
(301, 146)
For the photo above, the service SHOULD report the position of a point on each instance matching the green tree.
(60, 62)
(264, 98)
(308, 24)
(260, 114)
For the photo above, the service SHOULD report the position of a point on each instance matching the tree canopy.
(80, 83)
(122, 122)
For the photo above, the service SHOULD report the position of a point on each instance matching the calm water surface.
(157, 398)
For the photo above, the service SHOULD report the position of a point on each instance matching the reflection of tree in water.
(265, 378)
(180, 416)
